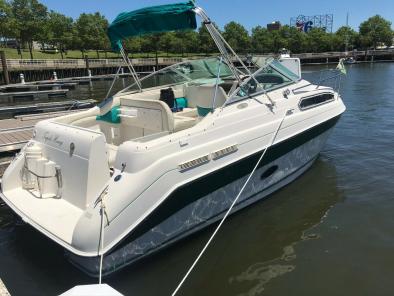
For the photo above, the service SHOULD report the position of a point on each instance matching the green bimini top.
(155, 19)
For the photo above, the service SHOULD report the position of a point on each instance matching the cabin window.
(317, 100)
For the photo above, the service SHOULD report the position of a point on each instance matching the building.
(274, 26)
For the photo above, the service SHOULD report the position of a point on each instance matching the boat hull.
(202, 202)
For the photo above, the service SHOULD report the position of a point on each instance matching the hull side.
(205, 201)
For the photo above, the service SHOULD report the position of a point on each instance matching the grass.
(12, 53)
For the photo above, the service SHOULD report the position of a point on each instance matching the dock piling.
(87, 64)
(5, 67)
(22, 78)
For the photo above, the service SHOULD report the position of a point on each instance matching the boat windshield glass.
(271, 75)
(196, 72)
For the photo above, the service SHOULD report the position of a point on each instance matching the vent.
(193, 163)
(224, 151)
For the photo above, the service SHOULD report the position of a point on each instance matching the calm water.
(331, 232)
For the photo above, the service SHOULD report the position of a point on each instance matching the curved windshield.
(271, 75)
(196, 72)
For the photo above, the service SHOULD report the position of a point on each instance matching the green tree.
(318, 40)
(237, 36)
(296, 40)
(92, 32)
(134, 44)
(7, 21)
(261, 40)
(166, 42)
(205, 41)
(30, 19)
(376, 30)
(60, 31)
(345, 38)
(190, 41)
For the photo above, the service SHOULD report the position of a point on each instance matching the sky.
(249, 13)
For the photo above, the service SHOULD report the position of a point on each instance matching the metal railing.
(327, 78)
(80, 63)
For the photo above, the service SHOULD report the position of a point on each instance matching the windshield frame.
(174, 68)
(233, 97)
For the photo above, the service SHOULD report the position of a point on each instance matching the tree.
(7, 21)
(166, 42)
(206, 43)
(92, 32)
(318, 40)
(60, 31)
(296, 40)
(376, 30)
(344, 38)
(237, 36)
(190, 41)
(30, 19)
(261, 40)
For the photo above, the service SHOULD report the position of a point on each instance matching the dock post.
(87, 64)
(22, 78)
(5, 67)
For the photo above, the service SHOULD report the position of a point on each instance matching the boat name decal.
(53, 139)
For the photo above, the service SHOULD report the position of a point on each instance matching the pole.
(5, 67)
(87, 64)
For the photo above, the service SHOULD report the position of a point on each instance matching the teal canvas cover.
(155, 19)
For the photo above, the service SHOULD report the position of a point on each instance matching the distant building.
(274, 26)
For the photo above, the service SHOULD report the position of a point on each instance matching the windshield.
(194, 72)
(271, 75)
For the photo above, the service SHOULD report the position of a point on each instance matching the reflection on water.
(330, 232)
(309, 210)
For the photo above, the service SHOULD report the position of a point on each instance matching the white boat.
(139, 172)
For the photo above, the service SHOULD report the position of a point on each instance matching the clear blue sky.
(250, 13)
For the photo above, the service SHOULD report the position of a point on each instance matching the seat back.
(153, 115)
(202, 96)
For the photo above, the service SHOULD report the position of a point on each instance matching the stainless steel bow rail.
(332, 80)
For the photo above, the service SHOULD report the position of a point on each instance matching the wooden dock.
(16, 110)
(34, 93)
(16, 132)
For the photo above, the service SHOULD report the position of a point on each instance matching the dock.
(16, 132)
(35, 93)
(39, 108)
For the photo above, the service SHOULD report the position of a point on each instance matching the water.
(331, 232)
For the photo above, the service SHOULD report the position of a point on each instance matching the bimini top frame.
(165, 18)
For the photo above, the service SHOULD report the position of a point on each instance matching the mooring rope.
(103, 212)
(229, 209)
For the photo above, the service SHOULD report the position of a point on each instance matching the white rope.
(102, 209)
(229, 210)
(100, 200)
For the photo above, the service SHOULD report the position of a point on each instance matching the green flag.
(341, 67)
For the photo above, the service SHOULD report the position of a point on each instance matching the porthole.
(269, 172)
(317, 100)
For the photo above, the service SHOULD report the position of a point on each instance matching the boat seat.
(183, 122)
